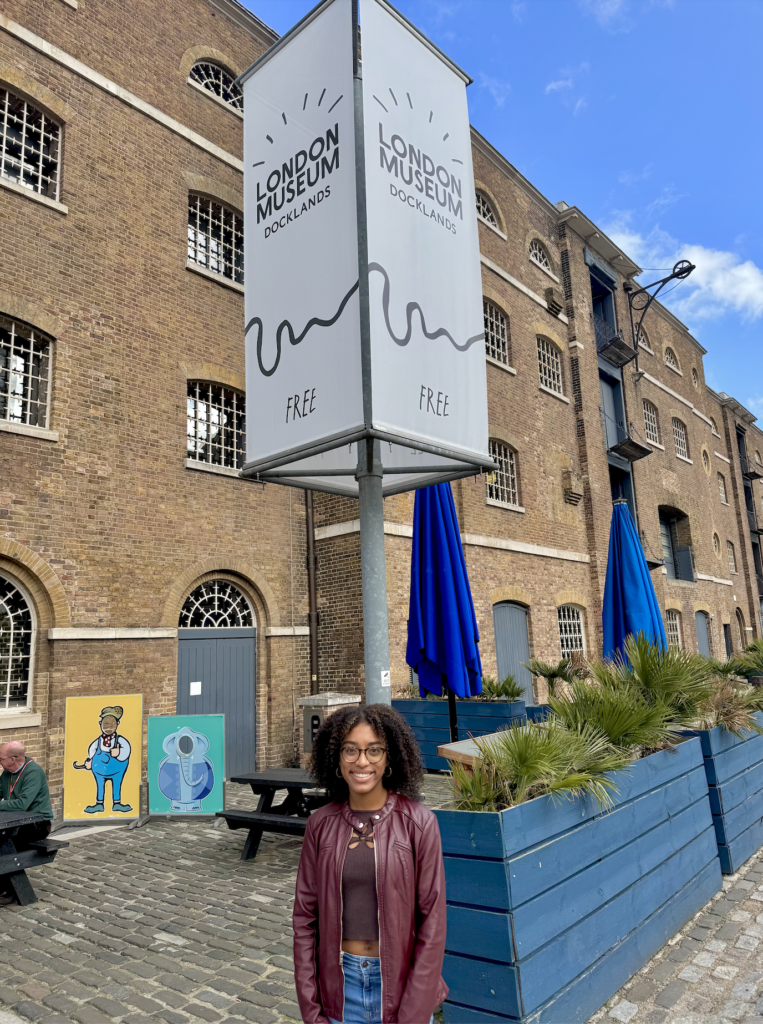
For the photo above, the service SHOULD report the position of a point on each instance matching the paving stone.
(205, 1012)
(171, 1017)
(662, 971)
(59, 1003)
(289, 1010)
(258, 1014)
(35, 990)
(729, 931)
(624, 1011)
(734, 1010)
(656, 1016)
(88, 1014)
(670, 995)
(744, 990)
(173, 999)
(692, 974)
(31, 1010)
(177, 982)
(109, 1006)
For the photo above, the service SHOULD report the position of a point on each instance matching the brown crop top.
(360, 920)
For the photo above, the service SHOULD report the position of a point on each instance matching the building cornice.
(596, 239)
(737, 408)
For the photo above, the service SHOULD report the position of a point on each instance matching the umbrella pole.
(452, 716)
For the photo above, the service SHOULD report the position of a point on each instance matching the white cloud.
(498, 89)
(581, 104)
(755, 405)
(721, 283)
(606, 12)
(564, 83)
(633, 177)
(667, 198)
(518, 10)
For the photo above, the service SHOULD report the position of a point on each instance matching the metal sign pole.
(374, 575)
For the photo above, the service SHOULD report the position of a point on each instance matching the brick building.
(133, 558)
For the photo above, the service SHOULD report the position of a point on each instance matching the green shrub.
(508, 688)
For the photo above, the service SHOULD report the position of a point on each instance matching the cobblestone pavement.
(711, 972)
(160, 923)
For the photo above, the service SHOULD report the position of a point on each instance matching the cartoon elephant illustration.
(186, 774)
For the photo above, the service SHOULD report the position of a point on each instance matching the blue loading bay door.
(216, 674)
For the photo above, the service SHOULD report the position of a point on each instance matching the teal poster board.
(186, 764)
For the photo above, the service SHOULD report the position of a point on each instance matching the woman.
(369, 913)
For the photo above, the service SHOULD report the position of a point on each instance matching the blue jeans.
(362, 990)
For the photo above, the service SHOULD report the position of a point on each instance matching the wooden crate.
(734, 769)
(431, 725)
(552, 907)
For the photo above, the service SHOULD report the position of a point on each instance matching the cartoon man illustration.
(107, 758)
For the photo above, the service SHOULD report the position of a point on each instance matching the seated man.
(23, 787)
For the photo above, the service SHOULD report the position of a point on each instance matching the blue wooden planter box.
(553, 907)
(734, 771)
(431, 725)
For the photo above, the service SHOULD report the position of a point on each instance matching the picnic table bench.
(14, 862)
(287, 818)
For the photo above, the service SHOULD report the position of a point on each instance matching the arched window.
(16, 646)
(219, 82)
(485, 210)
(673, 628)
(216, 238)
(714, 426)
(717, 545)
(571, 636)
(741, 630)
(502, 484)
(694, 377)
(24, 374)
(216, 426)
(538, 254)
(732, 556)
(705, 461)
(643, 339)
(651, 422)
(722, 488)
(758, 458)
(680, 438)
(30, 145)
(671, 359)
(549, 365)
(215, 604)
(497, 332)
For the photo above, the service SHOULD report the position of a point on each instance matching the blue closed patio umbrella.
(630, 603)
(443, 636)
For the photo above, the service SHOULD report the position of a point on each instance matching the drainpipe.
(312, 595)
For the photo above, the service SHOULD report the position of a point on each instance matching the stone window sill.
(205, 467)
(212, 276)
(492, 227)
(646, 348)
(500, 365)
(211, 96)
(549, 273)
(680, 583)
(20, 719)
(674, 369)
(655, 444)
(24, 428)
(684, 459)
(72, 3)
(504, 504)
(722, 458)
(554, 394)
(20, 190)
(725, 503)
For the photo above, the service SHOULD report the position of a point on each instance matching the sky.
(647, 115)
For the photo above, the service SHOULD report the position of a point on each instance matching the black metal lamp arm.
(680, 271)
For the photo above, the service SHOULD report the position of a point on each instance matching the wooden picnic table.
(288, 818)
(17, 855)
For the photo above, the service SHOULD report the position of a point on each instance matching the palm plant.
(563, 672)
(507, 688)
(621, 713)
(733, 705)
(476, 788)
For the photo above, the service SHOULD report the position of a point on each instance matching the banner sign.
(186, 764)
(363, 287)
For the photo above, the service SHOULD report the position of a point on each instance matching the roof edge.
(241, 16)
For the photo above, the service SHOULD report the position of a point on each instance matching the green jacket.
(30, 792)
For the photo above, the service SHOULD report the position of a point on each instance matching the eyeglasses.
(374, 753)
(13, 757)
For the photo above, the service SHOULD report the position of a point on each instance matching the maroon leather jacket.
(410, 886)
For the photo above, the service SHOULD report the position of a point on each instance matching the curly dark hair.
(403, 755)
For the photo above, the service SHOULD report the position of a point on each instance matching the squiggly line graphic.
(409, 310)
(295, 339)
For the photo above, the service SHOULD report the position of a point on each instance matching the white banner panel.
(303, 361)
(427, 330)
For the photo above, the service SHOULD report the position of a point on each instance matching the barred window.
(16, 646)
(680, 439)
(502, 483)
(549, 365)
(651, 423)
(538, 254)
(722, 488)
(758, 458)
(30, 145)
(673, 628)
(216, 238)
(694, 377)
(216, 425)
(219, 82)
(24, 374)
(643, 339)
(731, 556)
(717, 545)
(670, 358)
(571, 637)
(215, 604)
(497, 333)
(714, 426)
(485, 210)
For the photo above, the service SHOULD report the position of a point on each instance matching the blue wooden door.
(216, 675)
(512, 645)
(703, 637)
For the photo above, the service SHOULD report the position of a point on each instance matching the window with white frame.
(485, 210)
(670, 359)
(215, 425)
(680, 438)
(497, 333)
(643, 339)
(758, 458)
(549, 365)
(216, 238)
(673, 628)
(16, 646)
(694, 377)
(571, 638)
(216, 604)
(717, 545)
(538, 255)
(651, 423)
(714, 425)
(722, 488)
(731, 556)
(219, 82)
(30, 145)
(24, 374)
(502, 484)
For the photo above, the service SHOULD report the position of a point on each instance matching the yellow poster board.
(102, 757)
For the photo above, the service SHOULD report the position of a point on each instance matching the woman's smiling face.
(363, 776)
